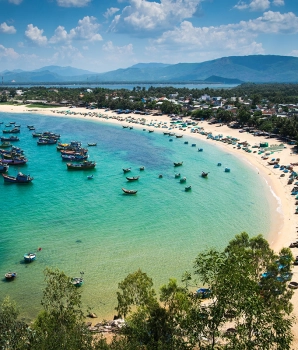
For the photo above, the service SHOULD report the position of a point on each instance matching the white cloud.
(86, 30)
(8, 53)
(253, 5)
(110, 12)
(16, 2)
(34, 34)
(278, 2)
(118, 50)
(73, 3)
(6, 29)
(151, 16)
(272, 22)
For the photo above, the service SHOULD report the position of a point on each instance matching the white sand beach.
(284, 225)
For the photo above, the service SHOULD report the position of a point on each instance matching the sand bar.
(284, 225)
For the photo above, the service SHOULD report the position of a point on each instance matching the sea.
(80, 225)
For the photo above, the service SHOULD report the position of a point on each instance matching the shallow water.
(91, 226)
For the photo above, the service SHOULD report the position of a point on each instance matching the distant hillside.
(229, 70)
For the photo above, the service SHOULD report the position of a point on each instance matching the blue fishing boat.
(29, 257)
(20, 178)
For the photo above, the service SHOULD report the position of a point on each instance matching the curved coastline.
(284, 225)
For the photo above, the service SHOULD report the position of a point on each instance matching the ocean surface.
(91, 226)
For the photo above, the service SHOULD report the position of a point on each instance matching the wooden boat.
(74, 157)
(82, 165)
(178, 164)
(179, 136)
(3, 168)
(218, 164)
(187, 188)
(10, 276)
(129, 191)
(46, 141)
(10, 138)
(29, 257)
(126, 170)
(5, 145)
(14, 161)
(151, 130)
(77, 281)
(293, 285)
(227, 170)
(183, 180)
(166, 132)
(11, 131)
(90, 177)
(177, 175)
(92, 144)
(20, 178)
(142, 168)
(200, 149)
(204, 174)
(133, 178)
(31, 128)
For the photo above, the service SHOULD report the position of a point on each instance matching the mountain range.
(229, 70)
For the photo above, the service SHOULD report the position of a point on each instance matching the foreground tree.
(61, 323)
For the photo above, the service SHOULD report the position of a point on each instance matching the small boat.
(29, 257)
(177, 175)
(10, 276)
(3, 168)
(200, 150)
(5, 145)
(133, 178)
(193, 145)
(203, 293)
(14, 161)
(151, 130)
(10, 138)
(204, 174)
(183, 180)
(129, 191)
(82, 165)
(179, 136)
(142, 168)
(20, 178)
(293, 285)
(160, 176)
(89, 177)
(218, 164)
(124, 126)
(227, 170)
(186, 142)
(77, 281)
(11, 131)
(126, 170)
(46, 141)
(178, 164)
(187, 188)
(92, 144)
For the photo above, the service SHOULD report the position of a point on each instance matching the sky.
(104, 35)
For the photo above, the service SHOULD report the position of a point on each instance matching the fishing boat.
(204, 174)
(3, 168)
(77, 281)
(5, 145)
(20, 178)
(227, 170)
(178, 164)
(126, 170)
(90, 144)
(90, 177)
(151, 130)
(200, 150)
(14, 161)
(10, 276)
(9, 138)
(177, 175)
(82, 165)
(11, 131)
(142, 168)
(133, 178)
(29, 257)
(187, 188)
(179, 136)
(74, 157)
(46, 141)
(218, 164)
(183, 180)
(129, 191)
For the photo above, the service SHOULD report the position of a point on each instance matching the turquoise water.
(91, 226)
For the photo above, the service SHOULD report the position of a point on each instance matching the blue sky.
(103, 35)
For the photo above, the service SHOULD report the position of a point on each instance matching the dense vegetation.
(248, 307)
(242, 104)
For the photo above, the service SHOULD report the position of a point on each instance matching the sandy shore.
(284, 224)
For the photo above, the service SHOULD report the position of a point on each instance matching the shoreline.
(284, 225)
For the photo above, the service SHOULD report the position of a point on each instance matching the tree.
(14, 334)
(61, 321)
